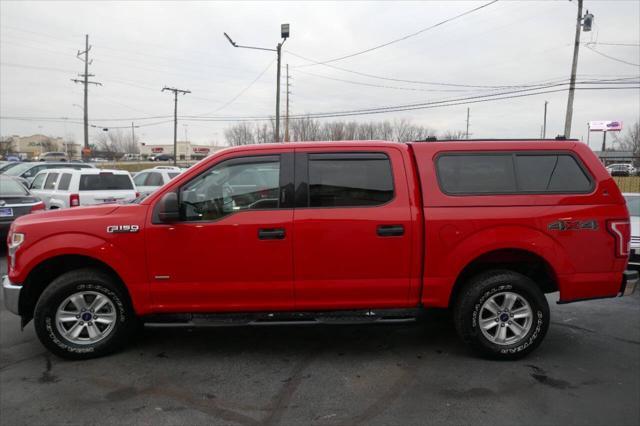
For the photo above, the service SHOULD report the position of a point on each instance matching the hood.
(72, 213)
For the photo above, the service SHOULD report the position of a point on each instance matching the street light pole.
(544, 124)
(586, 26)
(284, 33)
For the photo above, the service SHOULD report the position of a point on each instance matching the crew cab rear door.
(353, 229)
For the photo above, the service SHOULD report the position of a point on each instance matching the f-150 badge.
(119, 229)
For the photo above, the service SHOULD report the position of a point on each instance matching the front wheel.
(502, 314)
(82, 314)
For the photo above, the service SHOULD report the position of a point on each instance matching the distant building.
(612, 157)
(31, 147)
(187, 151)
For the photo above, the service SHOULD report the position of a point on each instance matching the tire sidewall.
(45, 321)
(491, 286)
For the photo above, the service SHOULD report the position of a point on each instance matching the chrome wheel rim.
(85, 317)
(505, 318)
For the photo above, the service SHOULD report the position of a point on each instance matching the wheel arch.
(44, 273)
(525, 262)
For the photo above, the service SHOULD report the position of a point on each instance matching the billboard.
(605, 126)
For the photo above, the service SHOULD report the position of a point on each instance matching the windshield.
(11, 188)
(8, 166)
(633, 204)
(19, 169)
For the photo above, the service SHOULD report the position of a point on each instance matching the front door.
(231, 250)
(353, 230)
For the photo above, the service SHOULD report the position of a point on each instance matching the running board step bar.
(366, 316)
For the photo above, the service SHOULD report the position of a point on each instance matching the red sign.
(201, 150)
(157, 149)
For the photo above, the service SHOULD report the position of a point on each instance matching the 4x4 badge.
(573, 225)
(118, 229)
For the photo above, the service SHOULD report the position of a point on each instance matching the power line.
(380, 46)
(588, 46)
(242, 92)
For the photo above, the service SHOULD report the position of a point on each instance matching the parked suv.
(63, 188)
(28, 171)
(149, 180)
(621, 169)
(54, 156)
(332, 233)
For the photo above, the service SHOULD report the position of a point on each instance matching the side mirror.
(169, 210)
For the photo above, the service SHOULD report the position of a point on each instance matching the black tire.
(469, 308)
(90, 282)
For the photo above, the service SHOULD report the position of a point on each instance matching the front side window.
(140, 178)
(50, 183)
(38, 181)
(232, 186)
(349, 180)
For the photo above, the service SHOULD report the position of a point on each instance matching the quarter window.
(139, 179)
(232, 186)
(50, 183)
(349, 180)
(65, 179)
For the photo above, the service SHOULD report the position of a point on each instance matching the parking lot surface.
(587, 372)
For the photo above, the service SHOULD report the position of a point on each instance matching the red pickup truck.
(333, 233)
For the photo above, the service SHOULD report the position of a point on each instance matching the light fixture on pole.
(284, 33)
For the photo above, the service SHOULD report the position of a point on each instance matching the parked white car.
(633, 205)
(63, 188)
(149, 180)
(621, 169)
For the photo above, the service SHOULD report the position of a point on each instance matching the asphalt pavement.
(587, 372)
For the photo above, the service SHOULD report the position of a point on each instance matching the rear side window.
(50, 183)
(476, 174)
(172, 175)
(551, 173)
(65, 179)
(511, 173)
(349, 180)
(154, 179)
(104, 182)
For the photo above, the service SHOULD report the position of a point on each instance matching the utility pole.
(544, 122)
(604, 140)
(467, 123)
(586, 26)
(86, 83)
(286, 119)
(175, 119)
(133, 135)
(284, 33)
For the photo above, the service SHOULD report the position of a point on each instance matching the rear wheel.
(83, 314)
(502, 314)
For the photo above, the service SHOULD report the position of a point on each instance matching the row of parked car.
(28, 187)
(622, 169)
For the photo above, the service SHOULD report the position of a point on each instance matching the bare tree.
(113, 143)
(454, 135)
(6, 146)
(631, 140)
(305, 129)
(239, 134)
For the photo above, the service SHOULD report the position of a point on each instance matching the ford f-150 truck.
(333, 232)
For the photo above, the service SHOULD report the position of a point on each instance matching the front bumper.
(629, 283)
(11, 295)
